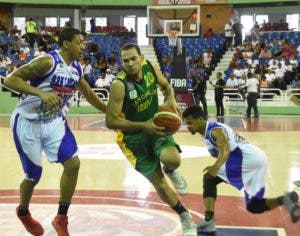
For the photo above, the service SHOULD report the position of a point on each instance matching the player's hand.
(51, 99)
(211, 170)
(153, 129)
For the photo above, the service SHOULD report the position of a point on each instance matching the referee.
(252, 87)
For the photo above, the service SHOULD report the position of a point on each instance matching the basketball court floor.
(112, 199)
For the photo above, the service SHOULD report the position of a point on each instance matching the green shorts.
(143, 150)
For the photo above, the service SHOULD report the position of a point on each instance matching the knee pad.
(34, 173)
(257, 206)
(210, 186)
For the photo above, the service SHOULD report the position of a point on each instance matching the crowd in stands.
(101, 61)
(273, 61)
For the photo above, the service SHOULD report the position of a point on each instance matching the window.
(260, 19)
(247, 22)
(100, 21)
(129, 22)
(141, 32)
(51, 21)
(63, 20)
(293, 21)
(87, 24)
(20, 22)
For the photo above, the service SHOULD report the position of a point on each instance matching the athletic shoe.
(30, 224)
(256, 116)
(60, 224)
(207, 227)
(188, 226)
(290, 200)
(297, 182)
(178, 182)
(246, 116)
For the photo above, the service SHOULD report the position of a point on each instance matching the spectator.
(30, 29)
(228, 35)
(237, 29)
(209, 33)
(93, 25)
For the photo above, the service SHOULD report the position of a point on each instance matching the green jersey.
(141, 99)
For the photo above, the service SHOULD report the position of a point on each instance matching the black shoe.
(256, 116)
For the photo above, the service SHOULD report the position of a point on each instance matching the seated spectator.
(232, 82)
(209, 33)
(39, 52)
(265, 53)
(22, 56)
(104, 82)
(11, 68)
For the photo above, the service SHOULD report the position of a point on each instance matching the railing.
(101, 92)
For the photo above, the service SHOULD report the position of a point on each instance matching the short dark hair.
(67, 34)
(195, 111)
(128, 46)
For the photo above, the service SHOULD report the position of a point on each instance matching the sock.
(209, 215)
(280, 200)
(167, 170)
(22, 211)
(179, 208)
(63, 208)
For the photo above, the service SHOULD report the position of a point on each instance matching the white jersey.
(60, 79)
(246, 166)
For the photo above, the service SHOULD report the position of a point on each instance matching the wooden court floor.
(113, 199)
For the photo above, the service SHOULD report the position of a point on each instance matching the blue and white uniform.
(37, 128)
(246, 166)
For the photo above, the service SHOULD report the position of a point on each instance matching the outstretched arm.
(90, 95)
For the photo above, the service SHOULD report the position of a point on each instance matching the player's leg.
(26, 138)
(209, 197)
(60, 146)
(168, 195)
(168, 152)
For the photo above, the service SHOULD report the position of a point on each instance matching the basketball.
(169, 118)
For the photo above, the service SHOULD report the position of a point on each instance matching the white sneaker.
(188, 226)
(206, 226)
(178, 182)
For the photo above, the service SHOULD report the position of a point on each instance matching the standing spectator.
(252, 85)
(237, 29)
(30, 29)
(220, 84)
(228, 35)
(199, 90)
(93, 25)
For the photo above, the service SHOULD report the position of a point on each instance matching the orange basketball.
(169, 118)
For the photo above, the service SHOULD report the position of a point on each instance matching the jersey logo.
(133, 94)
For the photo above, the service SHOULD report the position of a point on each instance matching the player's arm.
(17, 80)
(113, 117)
(90, 95)
(295, 100)
(224, 151)
(165, 87)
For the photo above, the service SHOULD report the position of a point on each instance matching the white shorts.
(32, 137)
(246, 168)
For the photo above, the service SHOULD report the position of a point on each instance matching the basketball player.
(296, 101)
(39, 124)
(238, 163)
(133, 101)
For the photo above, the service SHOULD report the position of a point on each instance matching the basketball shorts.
(246, 168)
(32, 137)
(143, 150)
